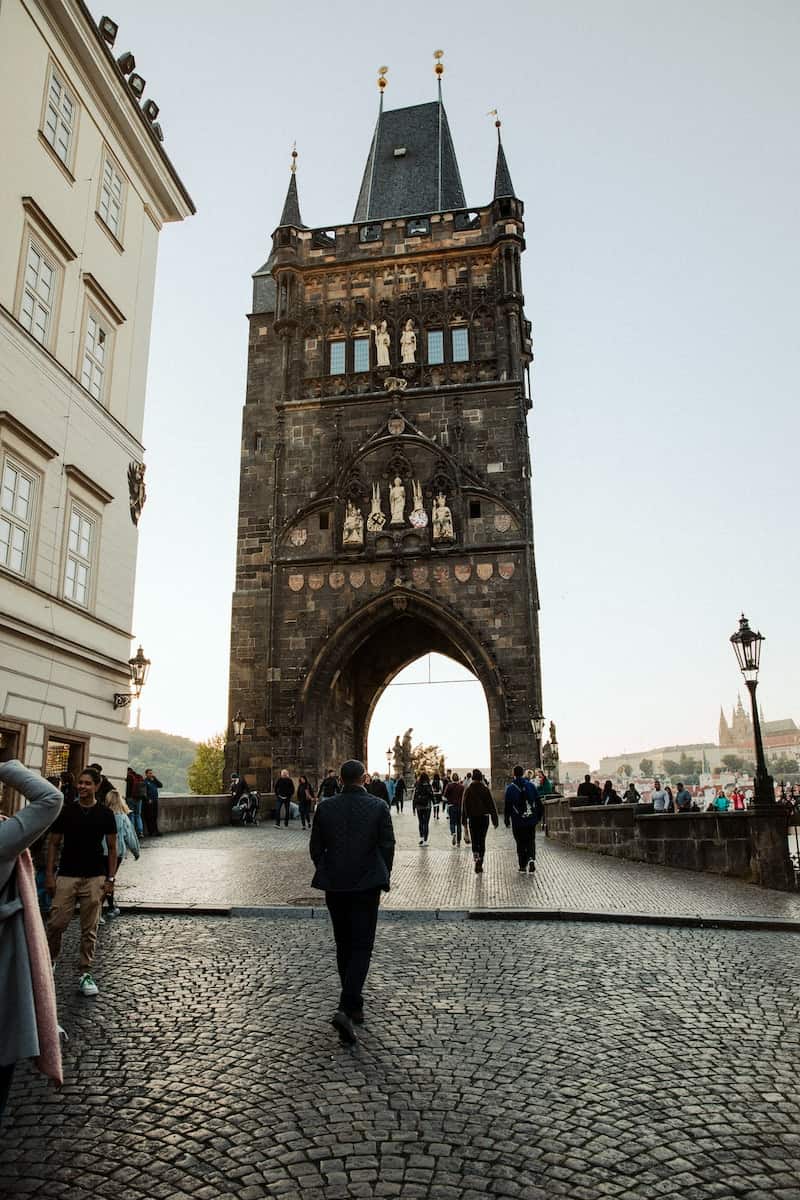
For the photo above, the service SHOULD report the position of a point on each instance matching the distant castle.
(781, 735)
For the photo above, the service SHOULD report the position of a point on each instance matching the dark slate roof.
(291, 207)
(785, 726)
(264, 290)
(411, 183)
(502, 176)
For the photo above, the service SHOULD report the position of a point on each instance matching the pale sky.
(654, 145)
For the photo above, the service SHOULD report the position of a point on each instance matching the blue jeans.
(136, 815)
(279, 803)
(454, 814)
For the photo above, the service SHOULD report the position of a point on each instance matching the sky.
(654, 146)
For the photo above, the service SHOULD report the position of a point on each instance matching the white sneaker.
(112, 912)
(87, 986)
(425, 842)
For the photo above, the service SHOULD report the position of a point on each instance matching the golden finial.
(293, 167)
(439, 68)
(382, 80)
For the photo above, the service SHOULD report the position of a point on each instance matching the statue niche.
(353, 530)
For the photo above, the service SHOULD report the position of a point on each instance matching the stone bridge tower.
(385, 497)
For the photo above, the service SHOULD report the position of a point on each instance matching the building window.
(460, 343)
(112, 193)
(79, 558)
(324, 521)
(337, 358)
(371, 233)
(361, 354)
(474, 509)
(418, 227)
(38, 293)
(16, 515)
(435, 346)
(59, 117)
(96, 346)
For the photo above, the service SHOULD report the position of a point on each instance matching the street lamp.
(389, 761)
(537, 725)
(239, 724)
(138, 666)
(747, 647)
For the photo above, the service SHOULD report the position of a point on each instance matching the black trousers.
(525, 837)
(6, 1077)
(354, 916)
(279, 804)
(150, 814)
(478, 828)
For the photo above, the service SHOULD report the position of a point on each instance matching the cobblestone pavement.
(267, 866)
(502, 1060)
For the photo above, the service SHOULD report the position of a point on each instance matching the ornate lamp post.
(389, 761)
(138, 667)
(537, 725)
(239, 724)
(747, 647)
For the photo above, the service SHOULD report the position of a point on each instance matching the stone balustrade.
(744, 845)
(177, 814)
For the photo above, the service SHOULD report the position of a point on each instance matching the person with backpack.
(453, 796)
(421, 804)
(436, 788)
(523, 811)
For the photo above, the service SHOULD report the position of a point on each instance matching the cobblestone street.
(510, 1060)
(267, 866)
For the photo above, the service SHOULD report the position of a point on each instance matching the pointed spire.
(502, 176)
(291, 207)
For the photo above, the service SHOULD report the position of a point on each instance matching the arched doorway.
(366, 652)
(443, 703)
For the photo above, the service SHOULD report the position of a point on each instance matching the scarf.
(44, 992)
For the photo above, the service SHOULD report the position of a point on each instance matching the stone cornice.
(89, 484)
(37, 444)
(40, 218)
(102, 295)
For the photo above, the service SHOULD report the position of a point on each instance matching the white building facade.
(85, 189)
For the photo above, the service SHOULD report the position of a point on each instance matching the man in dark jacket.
(376, 787)
(329, 785)
(523, 810)
(284, 790)
(588, 792)
(352, 845)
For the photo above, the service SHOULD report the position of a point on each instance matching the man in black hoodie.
(352, 846)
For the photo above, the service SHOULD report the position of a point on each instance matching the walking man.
(82, 872)
(376, 787)
(421, 804)
(478, 809)
(151, 803)
(329, 785)
(399, 793)
(352, 847)
(523, 811)
(284, 790)
(453, 796)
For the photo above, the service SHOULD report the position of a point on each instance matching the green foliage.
(783, 764)
(205, 773)
(685, 769)
(646, 767)
(626, 769)
(738, 763)
(169, 756)
(427, 758)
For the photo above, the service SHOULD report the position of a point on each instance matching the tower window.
(418, 227)
(371, 233)
(337, 358)
(460, 342)
(435, 346)
(474, 509)
(324, 521)
(361, 354)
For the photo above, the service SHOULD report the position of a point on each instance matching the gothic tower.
(385, 498)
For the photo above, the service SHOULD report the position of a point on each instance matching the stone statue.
(397, 756)
(553, 737)
(353, 532)
(408, 343)
(376, 520)
(381, 343)
(136, 490)
(442, 520)
(407, 752)
(418, 518)
(397, 500)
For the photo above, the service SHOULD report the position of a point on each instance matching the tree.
(205, 773)
(646, 767)
(738, 763)
(426, 758)
(626, 769)
(169, 756)
(783, 764)
(672, 767)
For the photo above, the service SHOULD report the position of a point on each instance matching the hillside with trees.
(169, 756)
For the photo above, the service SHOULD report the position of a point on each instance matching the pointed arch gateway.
(354, 667)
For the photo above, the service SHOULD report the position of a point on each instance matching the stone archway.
(357, 663)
